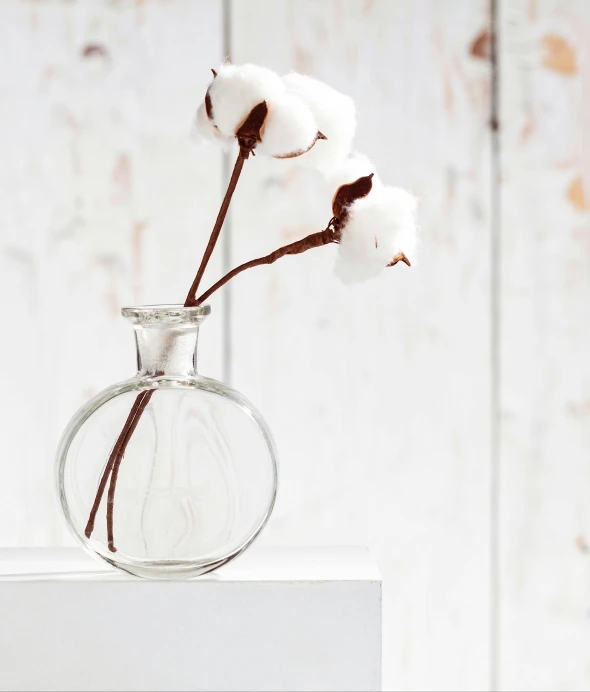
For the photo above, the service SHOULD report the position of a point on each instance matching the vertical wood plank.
(382, 391)
(545, 337)
(105, 202)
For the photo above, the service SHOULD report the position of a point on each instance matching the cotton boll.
(289, 130)
(378, 227)
(236, 90)
(350, 169)
(335, 114)
(204, 130)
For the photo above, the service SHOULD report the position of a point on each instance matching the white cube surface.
(275, 619)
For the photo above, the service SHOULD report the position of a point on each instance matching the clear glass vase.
(197, 478)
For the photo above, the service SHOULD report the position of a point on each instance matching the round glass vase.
(168, 474)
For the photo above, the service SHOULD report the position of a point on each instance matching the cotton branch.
(248, 136)
(328, 235)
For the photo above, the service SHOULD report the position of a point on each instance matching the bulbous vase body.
(168, 474)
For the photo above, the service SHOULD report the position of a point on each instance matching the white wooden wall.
(544, 602)
(440, 414)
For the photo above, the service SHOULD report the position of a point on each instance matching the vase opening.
(152, 315)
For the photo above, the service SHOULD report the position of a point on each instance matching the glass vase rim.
(165, 314)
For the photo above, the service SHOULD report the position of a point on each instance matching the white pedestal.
(275, 619)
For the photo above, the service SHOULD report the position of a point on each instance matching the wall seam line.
(226, 248)
(495, 354)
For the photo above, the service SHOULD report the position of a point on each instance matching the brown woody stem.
(329, 235)
(117, 450)
(235, 176)
(140, 405)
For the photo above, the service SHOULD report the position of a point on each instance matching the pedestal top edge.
(258, 564)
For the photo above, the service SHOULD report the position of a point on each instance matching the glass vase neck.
(166, 337)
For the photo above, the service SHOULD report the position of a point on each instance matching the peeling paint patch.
(368, 6)
(577, 196)
(481, 46)
(449, 99)
(137, 235)
(559, 54)
(527, 130)
(94, 50)
(302, 60)
(533, 10)
(121, 179)
(578, 409)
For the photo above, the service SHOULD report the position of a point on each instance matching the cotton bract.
(235, 91)
(335, 115)
(352, 168)
(378, 227)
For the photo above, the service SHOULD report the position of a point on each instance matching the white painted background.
(440, 414)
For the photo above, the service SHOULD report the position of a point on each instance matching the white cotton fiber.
(204, 130)
(236, 90)
(379, 226)
(335, 115)
(289, 129)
